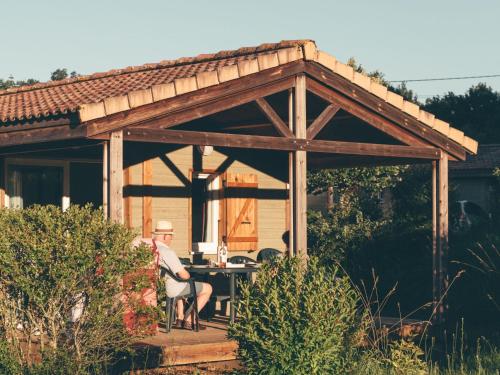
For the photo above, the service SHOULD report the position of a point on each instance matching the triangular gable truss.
(209, 92)
(151, 123)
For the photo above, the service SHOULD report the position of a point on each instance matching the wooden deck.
(182, 347)
(179, 347)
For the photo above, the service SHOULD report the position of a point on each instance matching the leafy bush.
(54, 261)
(298, 319)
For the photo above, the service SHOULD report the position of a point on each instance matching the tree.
(10, 82)
(56, 75)
(476, 113)
(379, 77)
(62, 73)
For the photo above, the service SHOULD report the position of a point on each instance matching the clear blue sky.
(404, 39)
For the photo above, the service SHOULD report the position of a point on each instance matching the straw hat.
(163, 227)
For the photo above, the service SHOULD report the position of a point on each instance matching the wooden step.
(199, 353)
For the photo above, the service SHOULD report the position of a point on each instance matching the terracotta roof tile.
(102, 94)
(59, 97)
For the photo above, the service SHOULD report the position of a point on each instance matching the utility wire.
(444, 79)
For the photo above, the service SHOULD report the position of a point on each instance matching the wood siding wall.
(171, 197)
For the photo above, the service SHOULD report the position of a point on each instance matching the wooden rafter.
(40, 135)
(356, 95)
(322, 120)
(220, 97)
(277, 143)
(275, 119)
(357, 110)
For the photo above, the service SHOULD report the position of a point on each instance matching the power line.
(444, 79)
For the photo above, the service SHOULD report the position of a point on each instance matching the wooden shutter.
(240, 211)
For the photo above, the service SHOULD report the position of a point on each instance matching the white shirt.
(169, 259)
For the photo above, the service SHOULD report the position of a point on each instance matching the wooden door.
(240, 211)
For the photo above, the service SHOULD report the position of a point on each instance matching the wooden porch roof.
(90, 98)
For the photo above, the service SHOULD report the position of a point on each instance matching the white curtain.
(212, 206)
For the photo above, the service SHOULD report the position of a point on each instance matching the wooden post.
(147, 199)
(3, 172)
(290, 211)
(105, 171)
(116, 176)
(300, 170)
(440, 236)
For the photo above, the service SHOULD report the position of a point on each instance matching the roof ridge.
(223, 54)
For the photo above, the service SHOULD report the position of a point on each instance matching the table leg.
(232, 297)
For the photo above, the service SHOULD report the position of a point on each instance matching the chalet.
(474, 181)
(217, 143)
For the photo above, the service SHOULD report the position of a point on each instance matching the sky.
(402, 38)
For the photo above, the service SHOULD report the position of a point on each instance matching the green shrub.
(50, 260)
(298, 319)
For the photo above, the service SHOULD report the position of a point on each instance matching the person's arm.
(183, 274)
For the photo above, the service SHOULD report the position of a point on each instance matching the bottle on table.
(222, 253)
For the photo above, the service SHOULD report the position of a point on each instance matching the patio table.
(231, 271)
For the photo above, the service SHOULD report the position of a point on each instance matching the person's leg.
(180, 309)
(203, 294)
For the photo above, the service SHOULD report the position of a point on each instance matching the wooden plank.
(435, 259)
(215, 106)
(300, 170)
(193, 99)
(376, 105)
(147, 199)
(357, 110)
(351, 161)
(277, 143)
(2, 182)
(241, 213)
(290, 206)
(199, 353)
(275, 119)
(105, 177)
(38, 135)
(116, 177)
(440, 272)
(323, 119)
(36, 124)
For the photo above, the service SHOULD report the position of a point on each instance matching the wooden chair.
(171, 302)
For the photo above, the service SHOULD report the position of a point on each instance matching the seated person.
(162, 238)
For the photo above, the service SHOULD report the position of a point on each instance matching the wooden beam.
(300, 170)
(147, 199)
(105, 179)
(323, 119)
(116, 177)
(277, 143)
(219, 95)
(371, 118)
(2, 182)
(376, 105)
(39, 135)
(275, 119)
(440, 237)
(290, 213)
(353, 161)
(37, 124)
(216, 105)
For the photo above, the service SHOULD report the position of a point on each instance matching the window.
(205, 212)
(36, 182)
